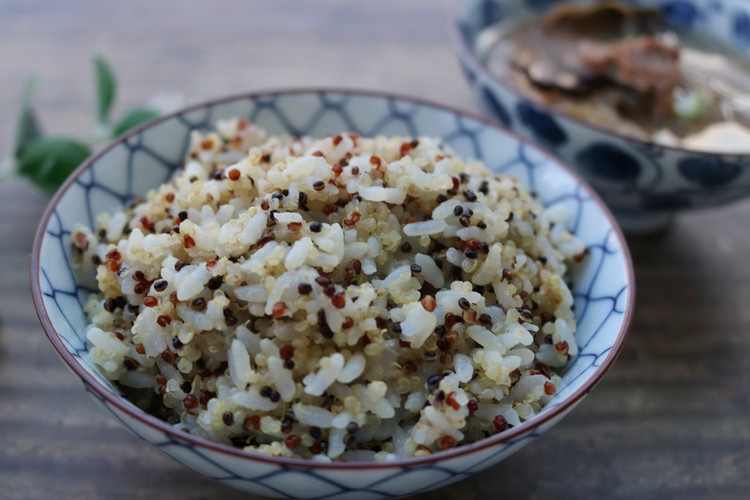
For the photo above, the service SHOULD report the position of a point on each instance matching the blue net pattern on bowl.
(148, 158)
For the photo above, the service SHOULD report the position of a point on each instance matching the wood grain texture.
(671, 419)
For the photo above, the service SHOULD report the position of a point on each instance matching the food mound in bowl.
(346, 298)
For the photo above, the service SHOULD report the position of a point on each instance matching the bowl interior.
(128, 168)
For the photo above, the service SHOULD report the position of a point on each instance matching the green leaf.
(106, 88)
(132, 119)
(49, 161)
(27, 128)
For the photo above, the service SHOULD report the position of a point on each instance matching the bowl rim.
(123, 405)
(467, 55)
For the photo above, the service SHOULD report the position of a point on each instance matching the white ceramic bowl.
(146, 157)
(644, 183)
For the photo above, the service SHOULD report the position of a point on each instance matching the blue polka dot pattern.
(609, 162)
(741, 29)
(543, 126)
(680, 13)
(603, 287)
(708, 171)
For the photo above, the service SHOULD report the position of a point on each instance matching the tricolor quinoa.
(345, 298)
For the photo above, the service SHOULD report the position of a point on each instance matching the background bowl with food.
(647, 100)
(220, 326)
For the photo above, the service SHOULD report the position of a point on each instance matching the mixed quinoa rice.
(345, 298)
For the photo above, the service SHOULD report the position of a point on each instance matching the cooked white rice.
(339, 298)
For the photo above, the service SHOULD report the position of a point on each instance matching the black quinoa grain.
(406, 247)
(465, 220)
(177, 343)
(109, 305)
(352, 427)
(277, 195)
(265, 391)
(458, 210)
(228, 418)
(319, 185)
(464, 304)
(325, 330)
(470, 253)
(396, 327)
(485, 247)
(349, 440)
(484, 187)
(443, 344)
(289, 364)
(160, 285)
(433, 382)
(416, 269)
(456, 272)
(215, 282)
(275, 396)
(182, 216)
(316, 227)
(442, 198)
(304, 288)
(470, 195)
(315, 432)
(542, 259)
(481, 225)
(198, 304)
(302, 201)
(286, 425)
(178, 265)
(186, 387)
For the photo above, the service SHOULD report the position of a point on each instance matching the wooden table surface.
(670, 420)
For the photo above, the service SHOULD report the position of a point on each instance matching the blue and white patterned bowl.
(146, 157)
(643, 183)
